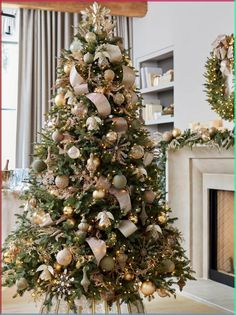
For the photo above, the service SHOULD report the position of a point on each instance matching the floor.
(200, 297)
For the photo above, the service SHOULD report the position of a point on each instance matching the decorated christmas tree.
(95, 222)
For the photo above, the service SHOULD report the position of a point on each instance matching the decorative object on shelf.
(220, 77)
(168, 110)
(167, 77)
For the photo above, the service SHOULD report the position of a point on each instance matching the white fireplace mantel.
(190, 174)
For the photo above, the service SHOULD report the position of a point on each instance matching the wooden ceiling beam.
(131, 9)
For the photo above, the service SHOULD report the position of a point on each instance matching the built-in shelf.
(160, 120)
(160, 88)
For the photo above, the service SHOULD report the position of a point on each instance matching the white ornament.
(75, 45)
(88, 58)
(47, 272)
(93, 123)
(64, 257)
(85, 281)
(104, 218)
(90, 37)
(74, 153)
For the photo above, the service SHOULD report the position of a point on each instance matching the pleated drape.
(42, 36)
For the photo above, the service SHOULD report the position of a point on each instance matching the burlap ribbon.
(77, 82)
(128, 77)
(127, 227)
(123, 198)
(101, 103)
(98, 248)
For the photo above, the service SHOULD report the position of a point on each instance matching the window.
(9, 85)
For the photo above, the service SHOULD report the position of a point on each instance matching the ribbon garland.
(127, 227)
(98, 248)
(101, 103)
(123, 198)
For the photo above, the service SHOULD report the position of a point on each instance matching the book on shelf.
(149, 110)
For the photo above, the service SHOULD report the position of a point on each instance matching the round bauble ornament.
(118, 98)
(76, 45)
(90, 37)
(206, 137)
(57, 267)
(70, 223)
(107, 263)
(162, 218)
(98, 194)
(67, 68)
(64, 257)
(149, 196)
(83, 226)
(128, 276)
(68, 211)
(109, 75)
(21, 284)
(62, 181)
(111, 136)
(133, 217)
(74, 153)
(37, 217)
(88, 58)
(136, 152)
(96, 161)
(57, 136)
(162, 293)
(119, 181)
(176, 132)
(39, 166)
(212, 131)
(167, 136)
(108, 296)
(121, 259)
(167, 266)
(148, 288)
(60, 100)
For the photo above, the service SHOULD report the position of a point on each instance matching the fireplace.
(221, 238)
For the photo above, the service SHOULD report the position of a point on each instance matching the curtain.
(42, 35)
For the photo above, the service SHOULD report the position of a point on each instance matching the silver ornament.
(90, 37)
(88, 58)
(76, 45)
(74, 153)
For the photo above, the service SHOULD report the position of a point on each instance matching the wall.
(191, 28)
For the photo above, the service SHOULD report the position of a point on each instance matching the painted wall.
(191, 28)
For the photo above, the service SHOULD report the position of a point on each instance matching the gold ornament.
(176, 132)
(88, 58)
(37, 217)
(149, 196)
(57, 267)
(212, 131)
(80, 110)
(148, 288)
(167, 136)
(39, 166)
(112, 136)
(121, 259)
(92, 163)
(98, 194)
(33, 202)
(68, 211)
(109, 75)
(133, 218)
(107, 263)
(206, 137)
(60, 100)
(103, 183)
(118, 98)
(57, 136)
(162, 218)
(21, 284)
(80, 262)
(62, 181)
(167, 266)
(162, 293)
(119, 181)
(137, 152)
(64, 257)
(104, 218)
(128, 276)
(83, 226)
(90, 37)
(67, 68)
(71, 222)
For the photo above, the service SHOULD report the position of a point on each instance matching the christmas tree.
(96, 223)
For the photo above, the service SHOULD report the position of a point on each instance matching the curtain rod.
(8, 15)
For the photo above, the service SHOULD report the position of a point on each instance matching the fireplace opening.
(221, 238)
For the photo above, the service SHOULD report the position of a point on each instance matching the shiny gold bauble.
(60, 100)
(19, 263)
(107, 263)
(149, 196)
(128, 276)
(148, 288)
(96, 161)
(136, 152)
(64, 257)
(133, 218)
(112, 136)
(212, 131)
(98, 194)
(167, 266)
(176, 132)
(109, 75)
(57, 136)
(71, 222)
(118, 98)
(37, 217)
(80, 262)
(68, 211)
(57, 267)
(67, 68)
(62, 181)
(121, 258)
(119, 181)
(162, 218)
(90, 37)
(206, 137)
(167, 136)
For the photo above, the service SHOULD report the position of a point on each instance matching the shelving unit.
(164, 92)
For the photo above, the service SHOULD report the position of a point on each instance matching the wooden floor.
(166, 305)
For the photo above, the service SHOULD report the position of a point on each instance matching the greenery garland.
(219, 72)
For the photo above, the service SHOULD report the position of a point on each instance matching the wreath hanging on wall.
(220, 77)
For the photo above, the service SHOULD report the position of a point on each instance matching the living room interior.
(173, 46)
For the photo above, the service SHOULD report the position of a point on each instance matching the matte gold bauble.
(98, 194)
(149, 196)
(118, 98)
(68, 211)
(167, 266)
(212, 131)
(133, 218)
(64, 257)
(88, 58)
(109, 75)
(83, 226)
(96, 161)
(57, 267)
(128, 276)
(119, 181)
(21, 284)
(162, 293)
(62, 181)
(67, 68)
(60, 100)
(90, 37)
(107, 263)
(39, 166)
(206, 137)
(148, 288)
(121, 258)
(71, 222)
(112, 136)
(176, 132)
(167, 136)
(57, 136)
(162, 218)
(136, 152)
